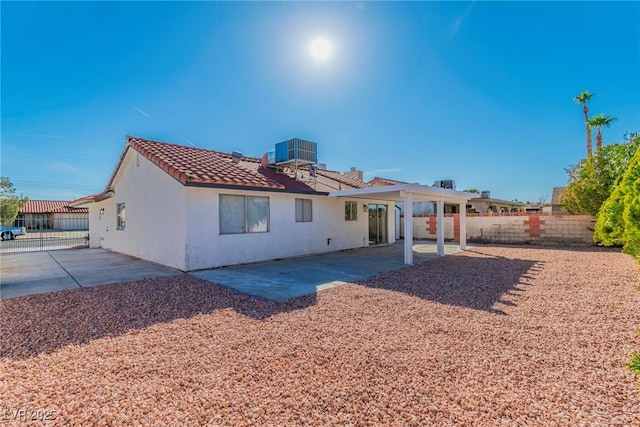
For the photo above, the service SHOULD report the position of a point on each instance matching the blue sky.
(480, 92)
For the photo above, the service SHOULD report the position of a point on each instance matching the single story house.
(192, 208)
(52, 215)
(485, 204)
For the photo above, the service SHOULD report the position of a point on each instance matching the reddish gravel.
(495, 336)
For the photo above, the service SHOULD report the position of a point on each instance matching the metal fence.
(49, 232)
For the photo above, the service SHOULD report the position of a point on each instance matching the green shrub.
(618, 221)
(634, 363)
(609, 226)
(631, 215)
(592, 180)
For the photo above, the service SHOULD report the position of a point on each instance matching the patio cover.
(409, 193)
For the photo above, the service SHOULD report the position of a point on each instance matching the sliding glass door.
(378, 224)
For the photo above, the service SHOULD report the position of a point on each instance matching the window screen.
(304, 210)
(243, 214)
(350, 211)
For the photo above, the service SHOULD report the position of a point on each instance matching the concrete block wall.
(556, 227)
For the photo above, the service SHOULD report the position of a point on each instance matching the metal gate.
(49, 232)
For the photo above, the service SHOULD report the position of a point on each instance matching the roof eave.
(94, 198)
(252, 188)
(399, 191)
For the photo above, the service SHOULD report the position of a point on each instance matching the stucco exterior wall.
(179, 226)
(155, 214)
(328, 231)
(512, 228)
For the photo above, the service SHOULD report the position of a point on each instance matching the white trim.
(463, 226)
(440, 227)
(408, 229)
(397, 193)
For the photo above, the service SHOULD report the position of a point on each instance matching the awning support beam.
(463, 226)
(408, 228)
(440, 227)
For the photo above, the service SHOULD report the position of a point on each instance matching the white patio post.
(463, 226)
(440, 227)
(408, 229)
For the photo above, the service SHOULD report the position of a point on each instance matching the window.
(304, 210)
(350, 211)
(243, 214)
(121, 216)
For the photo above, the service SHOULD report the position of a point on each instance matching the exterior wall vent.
(236, 156)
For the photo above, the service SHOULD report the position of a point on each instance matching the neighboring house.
(539, 208)
(192, 208)
(378, 181)
(485, 204)
(52, 215)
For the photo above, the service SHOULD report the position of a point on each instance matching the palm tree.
(582, 99)
(598, 122)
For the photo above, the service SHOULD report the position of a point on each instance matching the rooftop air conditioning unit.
(448, 183)
(297, 150)
(485, 194)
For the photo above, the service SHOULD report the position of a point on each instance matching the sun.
(320, 49)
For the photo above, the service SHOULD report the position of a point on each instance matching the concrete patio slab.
(29, 273)
(294, 277)
(40, 272)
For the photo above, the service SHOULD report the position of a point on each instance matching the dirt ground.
(494, 336)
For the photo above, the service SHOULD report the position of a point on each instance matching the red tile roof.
(342, 179)
(201, 167)
(197, 165)
(91, 198)
(376, 181)
(50, 206)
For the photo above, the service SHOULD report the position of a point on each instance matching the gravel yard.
(493, 336)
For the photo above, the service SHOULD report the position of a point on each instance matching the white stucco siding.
(155, 213)
(207, 248)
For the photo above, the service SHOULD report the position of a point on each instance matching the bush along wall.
(634, 363)
(618, 221)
